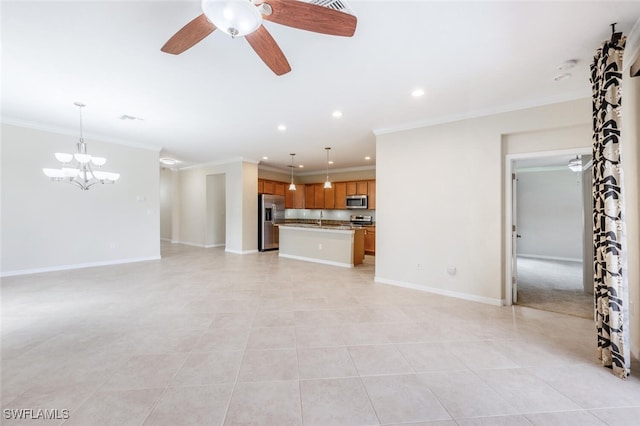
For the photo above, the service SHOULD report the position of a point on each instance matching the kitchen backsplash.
(344, 215)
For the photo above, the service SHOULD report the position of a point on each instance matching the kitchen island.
(331, 245)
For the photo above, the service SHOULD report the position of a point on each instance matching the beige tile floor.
(206, 338)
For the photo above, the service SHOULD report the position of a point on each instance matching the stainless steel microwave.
(356, 201)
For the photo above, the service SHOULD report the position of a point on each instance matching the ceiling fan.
(243, 18)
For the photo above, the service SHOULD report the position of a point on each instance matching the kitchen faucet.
(320, 220)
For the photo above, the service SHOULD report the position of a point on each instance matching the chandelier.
(78, 168)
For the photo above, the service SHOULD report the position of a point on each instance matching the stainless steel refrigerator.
(270, 213)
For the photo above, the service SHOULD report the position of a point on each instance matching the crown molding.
(220, 163)
(74, 133)
(478, 114)
(316, 172)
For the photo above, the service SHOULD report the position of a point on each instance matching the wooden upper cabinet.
(298, 196)
(309, 196)
(269, 187)
(330, 197)
(315, 196)
(371, 189)
(280, 188)
(289, 199)
(361, 187)
(340, 195)
(352, 188)
(318, 195)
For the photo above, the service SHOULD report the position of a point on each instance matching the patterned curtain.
(610, 280)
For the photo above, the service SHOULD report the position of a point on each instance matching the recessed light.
(130, 117)
(567, 65)
(265, 158)
(367, 158)
(336, 114)
(169, 161)
(301, 166)
(417, 93)
(561, 77)
(282, 127)
(330, 161)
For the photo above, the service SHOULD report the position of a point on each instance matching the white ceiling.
(218, 101)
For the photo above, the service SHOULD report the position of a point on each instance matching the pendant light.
(327, 183)
(292, 186)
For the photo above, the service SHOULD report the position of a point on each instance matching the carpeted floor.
(554, 286)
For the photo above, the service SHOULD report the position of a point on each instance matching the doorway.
(550, 232)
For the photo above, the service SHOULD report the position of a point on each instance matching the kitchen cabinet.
(279, 188)
(340, 195)
(370, 240)
(309, 196)
(371, 191)
(269, 187)
(315, 196)
(361, 187)
(318, 195)
(289, 198)
(294, 199)
(330, 197)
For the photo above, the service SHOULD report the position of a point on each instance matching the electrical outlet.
(419, 266)
(451, 270)
(319, 246)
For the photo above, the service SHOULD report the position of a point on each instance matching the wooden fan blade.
(311, 17)
(189, 35)
(266, 47)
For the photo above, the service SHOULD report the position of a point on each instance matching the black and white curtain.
(610, 279)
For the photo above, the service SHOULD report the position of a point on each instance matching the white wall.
(453, 176)
(241, 205)
(549, 214)
(166, 203)
(49, 226)
(216, 211)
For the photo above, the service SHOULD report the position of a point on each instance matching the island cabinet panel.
(370, 240)
(361, 187)
(309, 196)
(330, 197)
(318, 195)
(332, 246)
(352, 188)
(340, 195)
(371, 191)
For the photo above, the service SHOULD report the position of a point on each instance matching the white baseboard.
(188, 243)
(536, 256)
(314, 260)
(214, 245)
(449, 293)
(75, 266)
(240, 251)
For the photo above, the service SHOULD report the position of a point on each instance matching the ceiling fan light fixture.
(235, 17)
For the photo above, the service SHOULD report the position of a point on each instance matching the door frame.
(508, 210)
